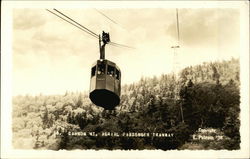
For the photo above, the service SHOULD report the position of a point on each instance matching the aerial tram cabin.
(105, 81)
(105, 86)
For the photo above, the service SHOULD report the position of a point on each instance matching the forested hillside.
(207, 94)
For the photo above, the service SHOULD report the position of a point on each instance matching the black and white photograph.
(132, 77)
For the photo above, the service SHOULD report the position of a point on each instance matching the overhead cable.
(71, 23)
(83, 28)
(76, 22)
(116, 44)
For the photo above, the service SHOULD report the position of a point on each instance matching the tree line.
(202, 96)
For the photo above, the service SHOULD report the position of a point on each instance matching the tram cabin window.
(93, 70)
(117, 74)
(101, 69)
(111, 71)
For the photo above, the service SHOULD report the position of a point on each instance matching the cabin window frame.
(93, 71)
(102, 71)
(117, 74)
(111, 68)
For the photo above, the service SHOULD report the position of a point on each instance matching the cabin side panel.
(101, 82)
(110, 83)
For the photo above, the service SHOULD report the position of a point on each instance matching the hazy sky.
(51, 56)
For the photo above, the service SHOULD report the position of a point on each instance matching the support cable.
(83, 28)
(76, 23)
(71, 23)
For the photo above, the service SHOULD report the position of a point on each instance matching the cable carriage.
(105, 81)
